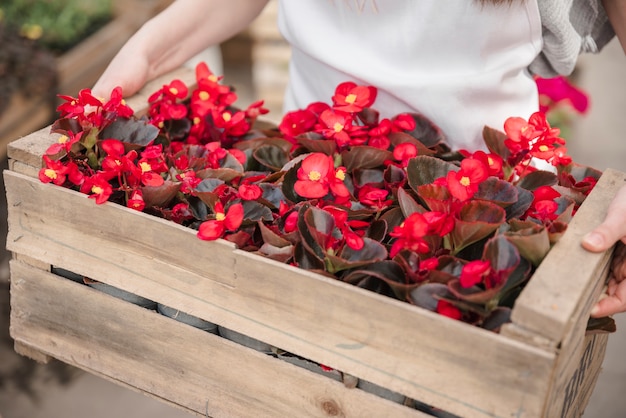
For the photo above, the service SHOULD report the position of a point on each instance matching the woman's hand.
(172, 37)
(612, 230)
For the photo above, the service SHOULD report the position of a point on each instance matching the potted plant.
(383, 204)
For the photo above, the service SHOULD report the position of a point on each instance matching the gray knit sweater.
(570, 27)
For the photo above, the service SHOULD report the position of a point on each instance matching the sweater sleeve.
(570, 27)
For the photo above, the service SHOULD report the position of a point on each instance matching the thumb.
(611, 304)
(612, 229)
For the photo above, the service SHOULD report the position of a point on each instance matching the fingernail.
(595, 310)
(594, 239)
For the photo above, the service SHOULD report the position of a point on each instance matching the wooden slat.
(195, 370)
(388, 342)
(568, 282)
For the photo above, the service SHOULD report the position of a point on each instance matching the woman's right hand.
(172, 37)
(127, 70)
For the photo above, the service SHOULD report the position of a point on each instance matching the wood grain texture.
(194, 370)
(388, 342)
(542, 364)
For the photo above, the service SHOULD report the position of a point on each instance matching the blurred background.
(60, 46)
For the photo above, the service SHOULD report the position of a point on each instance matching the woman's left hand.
(612, 230)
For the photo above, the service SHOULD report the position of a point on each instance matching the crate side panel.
(569, 277)
(393, 344)
(61, 217)
(396, 345)
(173, 361)
(576, 377)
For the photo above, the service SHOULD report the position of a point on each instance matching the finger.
(612, 229)
(618, 263)
(611, 304)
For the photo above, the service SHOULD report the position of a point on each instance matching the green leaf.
(408, 204)
(226, 175)
(423, 170)
(501, 254)
(477, 220)
(498, 317)
(272, 238)
(524, 201)
(497, 191)
(315, 226)
(271, 156)
(317, 143)
(372, 251)
(397, 138)
(494, 140)
(437, 198)
(530, 238)
(363, 157)
(472, 294)
(291, 176)
(132, 131)
(426, 131)
(384, 277)
(369, 176)
(536, 179)
(427, 295)
(253, 144)
(254, 211)
(160, 196)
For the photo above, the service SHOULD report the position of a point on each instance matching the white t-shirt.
(461, 64)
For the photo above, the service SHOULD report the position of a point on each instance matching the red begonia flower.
(135, 201)
(54, 172)
(313, 175)
(350, 97)
(98, 188)
(224, 221)
(404, 152)
(463, 184)
(445, 308)
(474, 272)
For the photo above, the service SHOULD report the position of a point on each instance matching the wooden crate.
(543, 364)
(78, 68)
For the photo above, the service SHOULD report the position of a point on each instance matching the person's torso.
(460, 63)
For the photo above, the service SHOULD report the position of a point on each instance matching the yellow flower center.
(161, 125)
(337, 127)
(315, 175)
(465, 181)
(226, 116)
(220, 216)
(145, 167)
(213, 78)
(63, 139)
(203, 95)
(490, 161)
(196, 120)
(341, 175)
(96, 190)
(174, 90)
(351, 98)
(543, 148)
(50, 173)
(122, 102)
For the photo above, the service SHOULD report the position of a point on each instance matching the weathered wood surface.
(200, 372)
(388, 342)
(541, 365)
